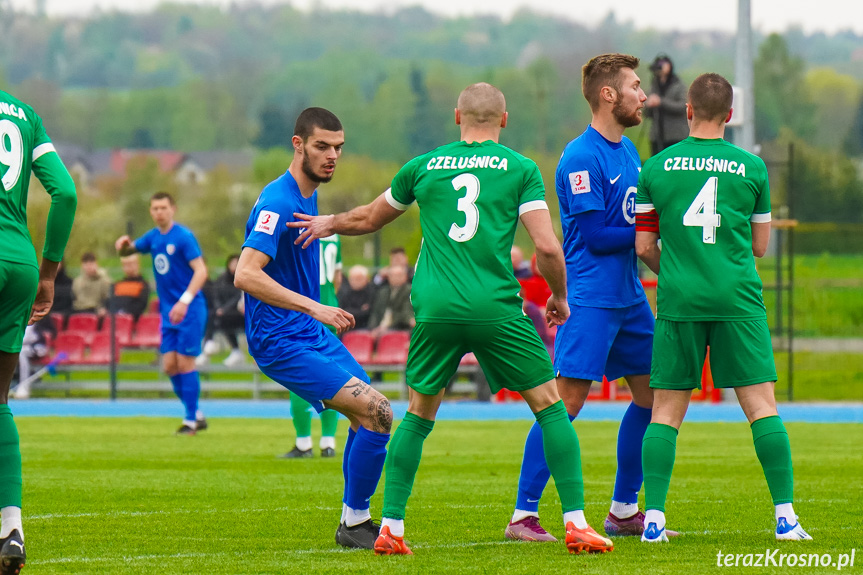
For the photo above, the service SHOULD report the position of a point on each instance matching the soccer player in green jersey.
(709, 201)
(301, 410)
(26, 288)
(471, 195)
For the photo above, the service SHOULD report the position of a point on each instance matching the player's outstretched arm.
(551, 263)
(647, 248)
(252, 279)
(760, 238)
(359, 221)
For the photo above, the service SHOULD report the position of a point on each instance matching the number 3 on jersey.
(702, 212)
(468, 206)
(13, 156)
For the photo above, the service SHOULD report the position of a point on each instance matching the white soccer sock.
(786, 510)
(520, 514)
(623, 510)
(199, 415)
(328, 442)
(356, 516)
(11, 520)
(304, 443)
(344, 512)
(191, 423)
(654, 516)
(576, 517)
(397, 526)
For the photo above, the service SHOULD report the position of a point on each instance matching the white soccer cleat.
(653, 534)
(235, 358)
(211, 347)
(786, 532)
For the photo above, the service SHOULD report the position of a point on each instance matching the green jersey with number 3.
(24, 149)
(707, 194)
(331, 262)
(470, 197)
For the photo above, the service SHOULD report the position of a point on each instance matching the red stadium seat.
(393, 347)
(100, 349)
(123, 328)
(59, 319)
(148, 331)
(83, 322)
(360, 344)
(71, 344)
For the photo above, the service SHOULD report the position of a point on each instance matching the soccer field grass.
(125, 496)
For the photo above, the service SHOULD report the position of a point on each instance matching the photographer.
(666, 106)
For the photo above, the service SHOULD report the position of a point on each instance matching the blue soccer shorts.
(315, 366)
(613, 342)
(185, 337)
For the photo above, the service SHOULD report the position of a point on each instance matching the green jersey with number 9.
(470, 197)
(707, 194)
(24, 149)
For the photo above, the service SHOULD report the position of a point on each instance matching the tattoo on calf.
(380, 414)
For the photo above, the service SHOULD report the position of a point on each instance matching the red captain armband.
(647, 222)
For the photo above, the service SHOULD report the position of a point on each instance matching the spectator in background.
(535, 287)
(666, 106)
(398, 258)
(91, 289)
(225, 316)
(35, 346)
(392, 308)
(62, 293)
(520, 268)
(131, 293)
(357, 295)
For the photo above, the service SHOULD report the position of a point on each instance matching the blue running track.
(453, 411)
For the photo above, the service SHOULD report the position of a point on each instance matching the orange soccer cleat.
(389, 544)
(578, 540)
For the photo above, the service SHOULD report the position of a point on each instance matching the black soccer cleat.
(12, 556)
(328, 452)
(201, 424)
(297, 453)
(360, 536)
(185, 430)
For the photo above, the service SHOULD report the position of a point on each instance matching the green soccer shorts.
(18, 283)
(741, 353)
(510, 354)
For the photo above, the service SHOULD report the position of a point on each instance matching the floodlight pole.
(744, 76)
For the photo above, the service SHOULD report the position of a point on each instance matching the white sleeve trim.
(644, 208)
(761, 218)
(532, 206)
(394, 202)
(43, 149)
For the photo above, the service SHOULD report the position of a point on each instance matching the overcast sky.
(767, 15)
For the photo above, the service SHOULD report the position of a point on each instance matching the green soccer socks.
(10, 460)
(774, 453)
(657, 457)
(403, 460)
(563, 455)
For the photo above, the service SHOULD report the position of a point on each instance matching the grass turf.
(124, 496)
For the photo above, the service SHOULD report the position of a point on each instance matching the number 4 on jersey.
(702, 212)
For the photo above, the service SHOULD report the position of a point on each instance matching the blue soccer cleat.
(786, 532)
(653, 534)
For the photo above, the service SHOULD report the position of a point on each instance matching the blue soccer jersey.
(596, 174)
(172, 253)
(293, 267)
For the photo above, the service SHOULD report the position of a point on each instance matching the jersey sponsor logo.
(171, 249)
(710, 164)
(629, 204)
(612, 181)
(161, 263)
(8, 109)
(267, 222)
(579, 182)
(465, 163)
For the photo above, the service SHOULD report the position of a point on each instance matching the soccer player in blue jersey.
(286, 323)
(610, 331)
(180, 274)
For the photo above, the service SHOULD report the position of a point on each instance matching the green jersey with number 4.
(470, 197)
(331, 262)
(24, 149)
(707, 194)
